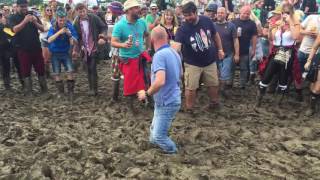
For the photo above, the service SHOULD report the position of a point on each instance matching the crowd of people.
(187, 45)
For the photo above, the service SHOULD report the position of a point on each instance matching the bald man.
(247, 35)
(228, 34)
(166, 72)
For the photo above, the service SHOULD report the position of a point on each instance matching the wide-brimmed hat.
(130, 4)
(278, 10)
(153, 5)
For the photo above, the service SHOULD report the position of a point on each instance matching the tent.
(88, 2)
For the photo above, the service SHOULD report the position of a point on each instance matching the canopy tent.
(88, 2)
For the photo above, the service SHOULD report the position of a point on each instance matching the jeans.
(302, 57)
(162, 119)
(253, 66)
(61, 58)
(244, 70)
(226, 67)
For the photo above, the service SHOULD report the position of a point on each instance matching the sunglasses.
(153, 9)
(49, 10)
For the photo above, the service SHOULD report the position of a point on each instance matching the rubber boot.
(273, 84)
(312, 105)
(299, 96)
(70, 87)
(93, 85)
(261, 93)
(223, 91)
(43, 84)
(6, 83)
(282, 93)
(47, 70)
(115, 90)
(27, 86)
(252, 79)
(60, 88)
(22, 84)
(132, 107)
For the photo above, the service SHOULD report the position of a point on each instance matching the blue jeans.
(61, 58)
(244, 70)
(302, 57)
(162, 119)
(226, 67)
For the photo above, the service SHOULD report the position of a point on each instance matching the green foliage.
(35, 2)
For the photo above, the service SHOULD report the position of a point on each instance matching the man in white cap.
(130, 34)
(153, 19)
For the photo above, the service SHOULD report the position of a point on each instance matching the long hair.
(175, 22)
(45, 15)
(290, 8)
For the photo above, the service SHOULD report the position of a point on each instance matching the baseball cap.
(61, 12)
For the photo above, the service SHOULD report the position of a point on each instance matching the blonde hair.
(44, 16)
(175, 22)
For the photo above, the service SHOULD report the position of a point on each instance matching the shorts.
(209, 75)
(44, 43)
(61, 58)
(226, 67)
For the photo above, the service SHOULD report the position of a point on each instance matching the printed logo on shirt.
(201, 41)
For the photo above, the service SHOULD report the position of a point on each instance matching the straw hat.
(278, 10)
(130, 4)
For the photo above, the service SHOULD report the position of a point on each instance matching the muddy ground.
(97, 139)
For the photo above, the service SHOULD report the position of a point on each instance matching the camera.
(30, 13)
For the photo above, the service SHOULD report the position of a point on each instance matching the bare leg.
(190, 98)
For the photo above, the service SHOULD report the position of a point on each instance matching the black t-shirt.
(4, 43)
(228, 33)
(197, 42)
(312, 4)
(269, 5)
(28, 37)
(248, 30)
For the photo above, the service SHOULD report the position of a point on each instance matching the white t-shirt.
(311, 23)
(47, 25)
(287, 39)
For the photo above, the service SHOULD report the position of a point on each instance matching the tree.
(35, 2)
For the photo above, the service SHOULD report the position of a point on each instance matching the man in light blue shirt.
(165, 88)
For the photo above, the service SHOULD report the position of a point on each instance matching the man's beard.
(135, 16)
(220, 20)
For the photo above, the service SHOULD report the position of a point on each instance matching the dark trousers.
(92, 72)
(28, 60)
(5, 55)
(283, 71)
